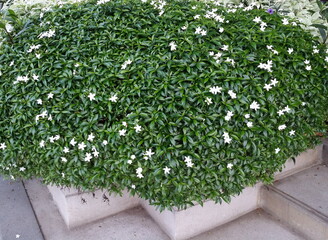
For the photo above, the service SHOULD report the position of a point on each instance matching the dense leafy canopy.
(146, 90)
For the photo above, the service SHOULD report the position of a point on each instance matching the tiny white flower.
(277, 150)
(11, 63)
(211, 53)
(225, 47)
(294, 23)
(203, 32)
(91, 137)
(63, 175)
(326, 59)
(198, 30)
(133, 157)
(95, 153)
(22, 169)
(292, 132)
(66, 150)
(215, 90)
(257, 19)
(189, 164)
(281, 112)
(149, 153)
(270, 47)
(307, 61)
(3, 146)
(232, 94)
(113, 98)
(122, 132)
(227, 118)
(315, 50)
(285, 21)
(267, 87)
(81, 146)
(208, 100)
(230, 165)
(193, 7)
(196, 16)
(187, 159)
(35, 77)
(39, 101)
(247, 116)
(303, 103)
(105, 142)
(129, 161)
(38, 56)
(290, 50)
(173, 46)
(73, 142)
(275, 52)
(17, 236)
(255, 105)
(91, 96)
(221, 30)
(133, 186)
(184, 28)
(63, 159)
(167, 170)
(227, 140)
(308, 67)
(137, 128)
(274, 82)
(287, 109)
(139, 170)
(50, 95)
(41, 144)
(282, 127)
(88, 157)
(249, 124)
(124, 124)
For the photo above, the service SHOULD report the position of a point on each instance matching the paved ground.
(16, 214)
(313, 190)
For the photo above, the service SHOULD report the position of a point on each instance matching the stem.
(11, 40)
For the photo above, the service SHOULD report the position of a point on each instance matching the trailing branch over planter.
(178, 102)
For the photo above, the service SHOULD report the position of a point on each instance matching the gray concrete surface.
(256, 225)
(133, 224)
(309, 187)
(16, 213)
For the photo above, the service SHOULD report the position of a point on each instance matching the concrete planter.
(177, 224)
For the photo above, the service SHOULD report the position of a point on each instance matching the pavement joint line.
(37, 220)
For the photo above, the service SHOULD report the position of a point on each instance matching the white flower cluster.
(212, 15)
(47, 34)
(102, 1)
(33, 47)
(226, 137)
(266, 66)
(21, 79)
(200, 31)
(307, 65)
(159, 4)
(268, 86)
(139, 172)
(270, 47)
(228, 116)
(188, 161)
(263, 25)
(282, 111)
(216, 56)
(126, 63)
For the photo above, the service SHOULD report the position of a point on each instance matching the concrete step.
(257, 225)
(17, 219)
(301, 201)
(136, 224)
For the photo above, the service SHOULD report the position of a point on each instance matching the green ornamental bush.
(178, 102)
